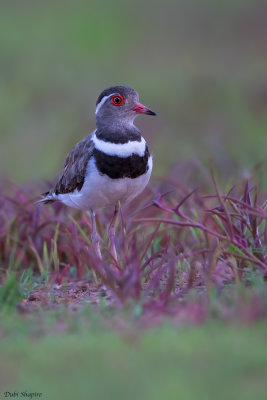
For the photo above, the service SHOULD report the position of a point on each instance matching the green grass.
(167, 362)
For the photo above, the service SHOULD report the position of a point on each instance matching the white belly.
(100, 191)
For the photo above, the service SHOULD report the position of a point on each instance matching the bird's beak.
(140, 109)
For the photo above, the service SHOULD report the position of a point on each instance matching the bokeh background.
(201, 65)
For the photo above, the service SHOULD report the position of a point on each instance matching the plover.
(110, 166)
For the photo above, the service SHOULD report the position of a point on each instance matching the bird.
(109, 167)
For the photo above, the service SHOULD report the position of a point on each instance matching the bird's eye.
(117, 100)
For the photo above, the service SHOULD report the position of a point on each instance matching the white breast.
(100, 191)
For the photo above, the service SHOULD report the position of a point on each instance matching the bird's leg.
(95, 236)
(111, 232)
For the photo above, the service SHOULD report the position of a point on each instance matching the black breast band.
(117, 167)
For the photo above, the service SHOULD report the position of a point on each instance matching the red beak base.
(140, 109)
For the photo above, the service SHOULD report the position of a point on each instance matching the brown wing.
(73, 174)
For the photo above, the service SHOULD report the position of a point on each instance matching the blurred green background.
(209, 362)
(201, 65)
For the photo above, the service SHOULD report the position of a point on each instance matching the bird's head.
(119, 105)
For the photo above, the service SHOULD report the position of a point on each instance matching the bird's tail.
(48, 197)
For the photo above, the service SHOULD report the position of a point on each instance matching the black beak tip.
(149, 112)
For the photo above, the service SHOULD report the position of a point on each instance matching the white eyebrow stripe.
(120, 149)
(100, 104)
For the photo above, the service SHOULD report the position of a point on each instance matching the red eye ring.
(117, 100)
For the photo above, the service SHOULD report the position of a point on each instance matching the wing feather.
(74, 171)
(73, 174)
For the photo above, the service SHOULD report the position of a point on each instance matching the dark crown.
(122, 90)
